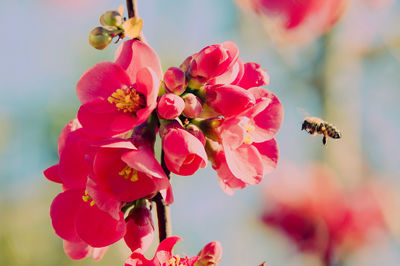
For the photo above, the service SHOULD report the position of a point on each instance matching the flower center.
(129, 173)
(178, 261)
(87, 198)
(127, 99)
(247, 138)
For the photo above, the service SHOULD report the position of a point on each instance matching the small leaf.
(133, 27)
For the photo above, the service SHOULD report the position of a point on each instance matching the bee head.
(305, 124)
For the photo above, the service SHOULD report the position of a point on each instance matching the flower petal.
(98, 228)
(52, 174)
(77, 250)
(133, 55)
(100, 81)
(64, 211)
(143, 160)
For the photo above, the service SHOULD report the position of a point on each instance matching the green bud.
(111, 18)
(99, 38)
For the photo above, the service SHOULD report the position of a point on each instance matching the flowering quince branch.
(210, 108)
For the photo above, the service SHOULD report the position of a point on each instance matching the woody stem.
(163, 213)
(131, 6)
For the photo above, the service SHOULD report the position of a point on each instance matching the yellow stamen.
(249, 128)
(129, 173)
(87, 198)
(247, 138)
(127, 99)
(175, 261)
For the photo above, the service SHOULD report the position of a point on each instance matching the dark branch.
(132, 8)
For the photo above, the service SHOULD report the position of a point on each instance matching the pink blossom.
(128, 172)
(317, 214)
(76, 218)
(184, 153)
(175, 80)
(118, 96)
(163, 256)
(139, 229)
(246, 150)
(170, 106)
(212, 61)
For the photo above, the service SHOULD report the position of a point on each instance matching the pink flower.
(175, 80)
(118, 96)
(212, 61)
(184, 153)
(246, 150)
(77, 219)
(317, 214)
(139, 229)
(128, 172)
(170, 106)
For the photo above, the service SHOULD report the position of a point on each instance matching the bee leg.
(324, 139)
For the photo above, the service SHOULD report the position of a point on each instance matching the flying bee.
(315, 125)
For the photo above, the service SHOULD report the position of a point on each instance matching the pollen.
(87, 198)
(176, 261)
(247, 138)
(127, 99)
(129, 173)
(249, 127)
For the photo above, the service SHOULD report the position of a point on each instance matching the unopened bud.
(193, 105)
(111, 18)
(99, 38)
(139, 229)
(175, 80)
(170, 106)
(210, 255)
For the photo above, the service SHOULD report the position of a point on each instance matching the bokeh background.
(349, 76)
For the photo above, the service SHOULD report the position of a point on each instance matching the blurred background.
(346, 73)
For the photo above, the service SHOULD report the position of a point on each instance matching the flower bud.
(170, 106)
(139, 229)
(175, 80)
(99, 38)
(111, 18)
(193, 105)
(210, 255)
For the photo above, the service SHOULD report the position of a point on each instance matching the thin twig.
(163, 212)
(131, 6)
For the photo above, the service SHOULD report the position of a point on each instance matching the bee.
(315, 125)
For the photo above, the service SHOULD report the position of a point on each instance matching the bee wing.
(302, 111)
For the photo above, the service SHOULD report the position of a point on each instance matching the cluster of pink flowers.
(319, 215)
(210, 108)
